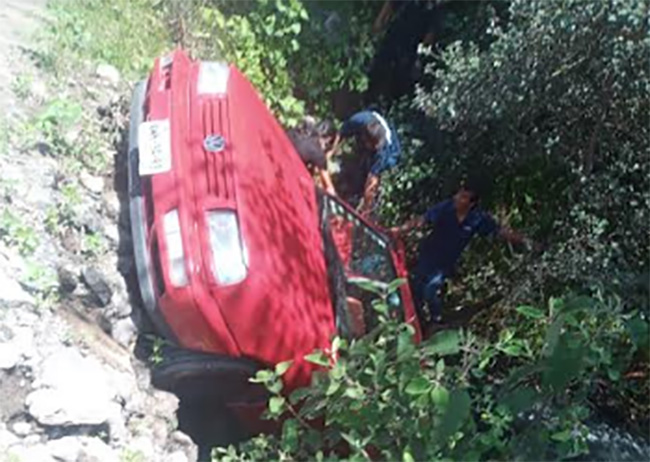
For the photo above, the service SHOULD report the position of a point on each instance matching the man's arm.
(369, 192)
(334, 148)
(383, 17)
(408, 226)
(326, 179)
(511, 235)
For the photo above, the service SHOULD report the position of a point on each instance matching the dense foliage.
(297, 54)
(457, 396)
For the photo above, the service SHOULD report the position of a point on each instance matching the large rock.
(11, 291)
(28, 453)
(108, 73)
(76, 449)
(73, 390)
(9, 356)
(96, 282)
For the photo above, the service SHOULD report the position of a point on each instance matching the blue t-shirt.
(388, 156)
(442, 248)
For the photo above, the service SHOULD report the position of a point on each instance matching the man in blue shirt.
(455, 222)
(376, 140)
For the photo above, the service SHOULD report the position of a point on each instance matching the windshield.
(362, 252)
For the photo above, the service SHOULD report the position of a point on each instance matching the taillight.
(175, 254)
(228, 252)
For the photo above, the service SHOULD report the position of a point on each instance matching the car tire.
(207, 378)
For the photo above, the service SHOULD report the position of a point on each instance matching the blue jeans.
(427, 291)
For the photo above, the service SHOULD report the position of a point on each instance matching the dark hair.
(325, 128)
(375, 132)
(477, 186)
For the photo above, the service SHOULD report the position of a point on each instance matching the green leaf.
(446, 342)
(276, 404)
(333, 387)
(354, 393)
(275, 386)
(282, 367)
(562, 436)
(530, 312)
(553, 335)
(513, 350)
(393, 286)
(418, 386)
(262, 377)
(376, 287)
(290, 434)
(520, 400)
(457, 412)
(440, 397)
(405, 344)
(319, 358)
(407, 456)
(564, 365)
(613, 374)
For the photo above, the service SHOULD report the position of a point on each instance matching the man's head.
(373, 136)
(468, 195)
(326, 132)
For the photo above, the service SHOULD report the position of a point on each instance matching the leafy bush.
(523, 392)
(564, 89)
(279, 45)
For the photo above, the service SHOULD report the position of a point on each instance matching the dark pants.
(427, 292)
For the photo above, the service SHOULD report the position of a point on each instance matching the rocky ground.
(71, 389)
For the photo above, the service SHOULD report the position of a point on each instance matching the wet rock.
(67, 280)
(71, 391)
(108, 73)
(98, 286)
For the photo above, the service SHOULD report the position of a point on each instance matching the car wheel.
(207, 378)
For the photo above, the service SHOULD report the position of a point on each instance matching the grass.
(127, 34)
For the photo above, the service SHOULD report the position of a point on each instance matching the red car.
(242, 261)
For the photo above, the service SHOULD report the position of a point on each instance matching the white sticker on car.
(154, 142)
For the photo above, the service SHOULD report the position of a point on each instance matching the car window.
(363, 253)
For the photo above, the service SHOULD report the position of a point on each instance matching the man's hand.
(408, 226)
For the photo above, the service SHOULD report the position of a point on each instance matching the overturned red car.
(242, 261)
